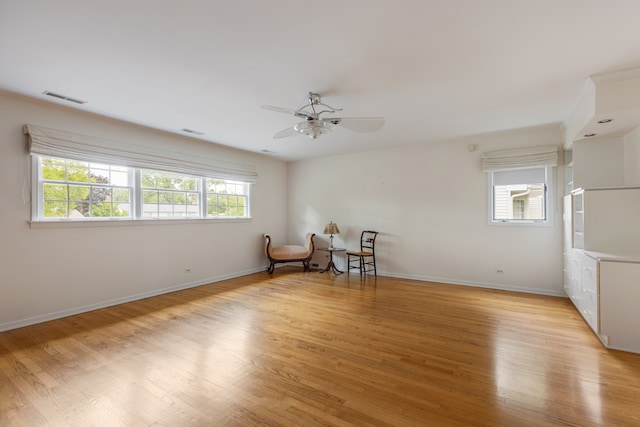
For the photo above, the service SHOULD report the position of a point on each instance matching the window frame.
(140, 194)
(227, 182)
(136, 197)
(548, 194)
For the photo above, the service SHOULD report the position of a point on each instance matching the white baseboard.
(109, 303)
(478, 284)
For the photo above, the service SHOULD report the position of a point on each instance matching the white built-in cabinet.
(602, 262)
(620, 299)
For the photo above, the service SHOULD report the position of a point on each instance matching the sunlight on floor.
(526, 376)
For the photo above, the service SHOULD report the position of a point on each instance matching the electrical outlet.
(315, 264)
(499, 270)
(187, 270)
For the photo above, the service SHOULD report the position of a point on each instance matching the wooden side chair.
(289, 253)
(366, 256)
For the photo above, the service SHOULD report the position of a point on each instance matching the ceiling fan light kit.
(313, 125)
(313, 129)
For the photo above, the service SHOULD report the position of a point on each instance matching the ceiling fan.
(313, 125)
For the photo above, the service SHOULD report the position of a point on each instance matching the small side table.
(331, 267)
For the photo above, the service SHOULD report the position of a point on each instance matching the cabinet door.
(577, 208)
(575, 288)
(589, 296)
(620, 305)
(567, 222)
(567, 273)
(610, 220)
(567, 251)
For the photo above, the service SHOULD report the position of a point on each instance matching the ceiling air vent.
(191, 131)
(64, 97)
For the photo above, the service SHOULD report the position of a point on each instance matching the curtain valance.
(56, 143)
(520, 158)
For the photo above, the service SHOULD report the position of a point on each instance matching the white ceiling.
(435, 69)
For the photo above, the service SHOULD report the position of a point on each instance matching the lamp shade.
(331, 228)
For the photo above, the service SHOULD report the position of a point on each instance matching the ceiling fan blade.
(358, 124)
(286, 133)
(279, 109)
(297, 113)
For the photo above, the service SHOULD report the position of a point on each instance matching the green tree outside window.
(73, 189)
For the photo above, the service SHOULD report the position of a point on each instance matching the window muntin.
(169, 195)
(227, 198)
(520, 196)
(72, 189)
(519, 206)
(76, 190)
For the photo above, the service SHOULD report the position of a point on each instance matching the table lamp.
(331, 229)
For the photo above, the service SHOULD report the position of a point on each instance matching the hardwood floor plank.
(311, 349)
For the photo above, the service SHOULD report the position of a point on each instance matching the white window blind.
(519, 176)
(520, 158)
(67, 145)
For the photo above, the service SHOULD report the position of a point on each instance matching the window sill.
(132, 222)
(522, 223)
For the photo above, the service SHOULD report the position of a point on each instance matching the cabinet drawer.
(590, 275)
(589, 309)
(589, 299)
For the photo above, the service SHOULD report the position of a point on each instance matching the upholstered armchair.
(289, 253)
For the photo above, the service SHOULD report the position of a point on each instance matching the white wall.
(47, 272)
(632, 158)
(430, 205)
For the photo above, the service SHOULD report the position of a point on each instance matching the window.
(520, 183)
(226, 198)
(519, 208)
(169, 195)
(520, 195)
(76, 190)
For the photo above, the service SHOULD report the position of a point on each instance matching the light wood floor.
(315, 349)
